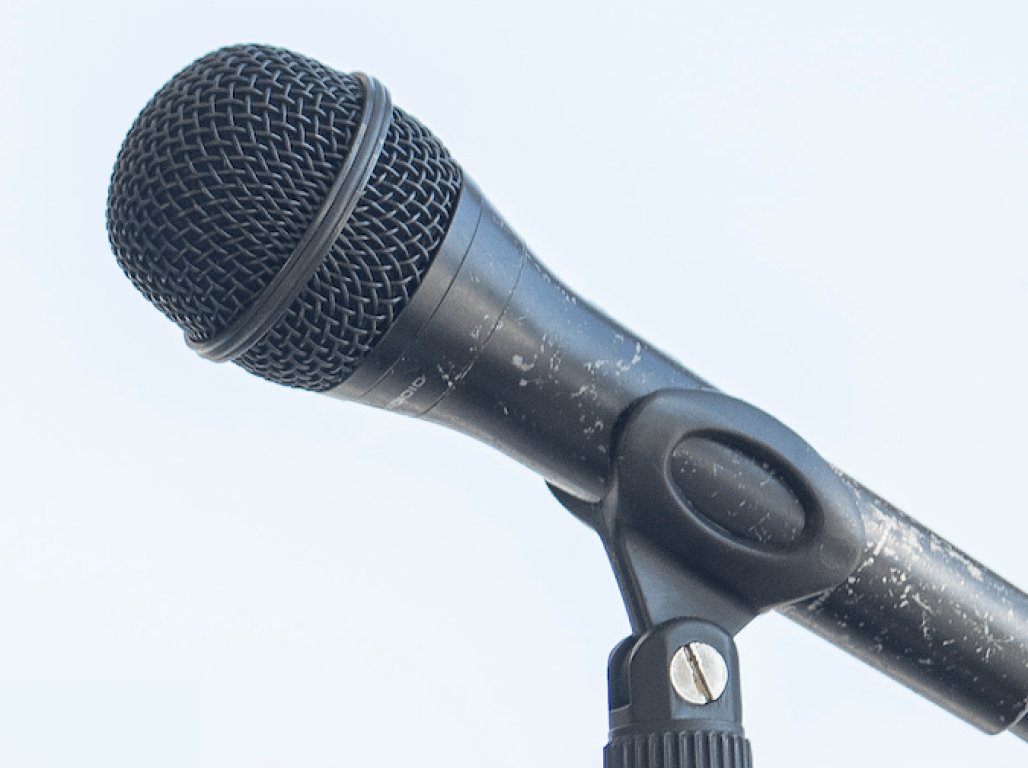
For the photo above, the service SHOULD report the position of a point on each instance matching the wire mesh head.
(219, 179)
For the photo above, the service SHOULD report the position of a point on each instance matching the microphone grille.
(220, 177)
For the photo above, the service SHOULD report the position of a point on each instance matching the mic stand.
(716, 513)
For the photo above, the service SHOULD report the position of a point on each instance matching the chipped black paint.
(924, 613)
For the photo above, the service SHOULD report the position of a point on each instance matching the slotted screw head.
(699, 673)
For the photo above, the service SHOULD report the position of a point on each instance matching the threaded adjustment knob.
(679, 749)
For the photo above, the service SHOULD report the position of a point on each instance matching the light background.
(819, 207)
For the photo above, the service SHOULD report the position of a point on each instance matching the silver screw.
(699, 673)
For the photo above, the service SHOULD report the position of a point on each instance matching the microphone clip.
(716, 512)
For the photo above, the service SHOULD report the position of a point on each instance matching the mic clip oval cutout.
(719, 511)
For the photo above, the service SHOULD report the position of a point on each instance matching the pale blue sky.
(818, 207)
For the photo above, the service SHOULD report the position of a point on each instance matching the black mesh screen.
(221, 175)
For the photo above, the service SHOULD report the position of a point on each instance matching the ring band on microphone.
(310, 252)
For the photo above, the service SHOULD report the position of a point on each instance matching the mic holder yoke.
(716, 513)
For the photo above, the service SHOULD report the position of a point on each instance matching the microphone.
(290, 219)
(248, 205)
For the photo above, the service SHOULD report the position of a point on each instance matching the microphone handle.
(919, 610)
(495, 346)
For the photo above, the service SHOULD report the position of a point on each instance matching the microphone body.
(494, 346)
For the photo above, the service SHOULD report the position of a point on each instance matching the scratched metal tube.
(924, 613)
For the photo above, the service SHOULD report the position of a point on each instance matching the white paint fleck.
(585, 389)
(924, 606)
(521, 364)
(820, 601)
